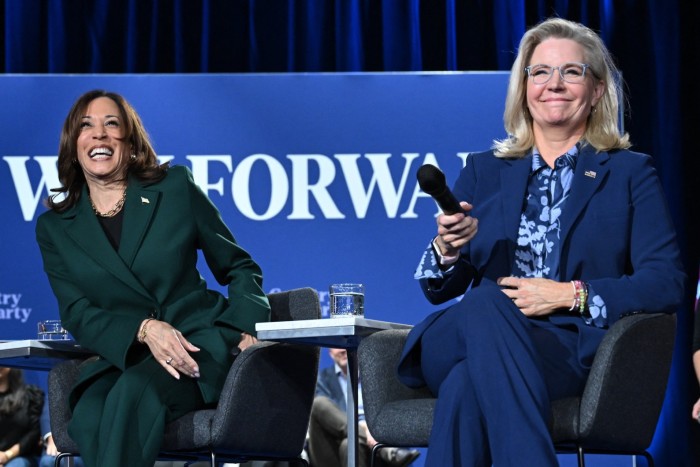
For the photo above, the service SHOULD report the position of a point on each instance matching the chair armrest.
(61, 379)
(385, 398)
(266, 400)
(625, 390)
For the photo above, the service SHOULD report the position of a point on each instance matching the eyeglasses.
(570, 72)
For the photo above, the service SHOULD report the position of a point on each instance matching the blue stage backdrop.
(315, 174)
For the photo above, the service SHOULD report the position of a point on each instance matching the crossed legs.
(494, 372)
(328, 436)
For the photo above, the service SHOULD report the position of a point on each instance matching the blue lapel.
(514, 179)
(590, 173)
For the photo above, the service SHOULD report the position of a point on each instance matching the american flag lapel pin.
(589, 173)
(145, 200)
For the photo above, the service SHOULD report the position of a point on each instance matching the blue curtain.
(655, 43)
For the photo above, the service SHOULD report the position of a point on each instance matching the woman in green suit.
(120, 251)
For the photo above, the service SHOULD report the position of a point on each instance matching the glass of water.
(347, 300)
(51, 330)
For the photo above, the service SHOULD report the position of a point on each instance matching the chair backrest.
(295, 305)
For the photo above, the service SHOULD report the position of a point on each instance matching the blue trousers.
(21, 462)
(494, 372)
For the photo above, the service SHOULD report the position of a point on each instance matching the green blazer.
(104, 295)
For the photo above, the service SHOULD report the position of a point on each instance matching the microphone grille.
(430, 179)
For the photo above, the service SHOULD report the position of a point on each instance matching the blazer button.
(153, 314)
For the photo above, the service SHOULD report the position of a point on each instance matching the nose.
(99, 132)
(557, 80)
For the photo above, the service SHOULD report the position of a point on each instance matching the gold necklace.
(112, 212)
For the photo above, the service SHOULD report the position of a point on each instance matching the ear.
(598, 92)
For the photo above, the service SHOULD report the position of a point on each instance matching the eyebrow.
(106, 116)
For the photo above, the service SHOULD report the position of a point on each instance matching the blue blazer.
(329, 386)
(616, 234)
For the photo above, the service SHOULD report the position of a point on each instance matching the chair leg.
(64, 455)
(375, 452)
(581, 460)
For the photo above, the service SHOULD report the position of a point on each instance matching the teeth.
(100, 152)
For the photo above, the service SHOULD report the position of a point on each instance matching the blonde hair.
(602, 131)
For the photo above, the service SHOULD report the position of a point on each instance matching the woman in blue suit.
(120, 251)
(564, 231)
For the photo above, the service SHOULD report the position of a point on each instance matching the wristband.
(574, 305)
(143, 332)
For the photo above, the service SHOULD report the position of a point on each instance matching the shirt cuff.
(429, 266)
(597, 312)
(444, 260)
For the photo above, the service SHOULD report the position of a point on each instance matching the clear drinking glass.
(347, 300)
(51, 330)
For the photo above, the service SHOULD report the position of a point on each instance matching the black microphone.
(432, 181)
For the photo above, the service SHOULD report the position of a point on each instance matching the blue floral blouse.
(537, 253)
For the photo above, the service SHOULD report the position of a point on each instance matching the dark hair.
(16, 395)
(144, 166)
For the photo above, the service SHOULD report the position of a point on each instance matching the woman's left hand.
(537, 296)
(171, 349)
(696, 411)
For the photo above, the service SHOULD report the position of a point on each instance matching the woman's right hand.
(51, 447)
(246, 341)
(696, 411)
(171, 349)
(456, 230)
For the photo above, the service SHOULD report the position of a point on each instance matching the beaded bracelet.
(574, 305)
(143, 331)
(580, 297)
(583, 296)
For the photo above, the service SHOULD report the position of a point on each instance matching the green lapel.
(85, 231)
(140, 205)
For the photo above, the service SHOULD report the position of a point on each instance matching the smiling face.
(557, 104)
(102, 152)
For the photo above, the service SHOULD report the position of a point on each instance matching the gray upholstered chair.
(264, 410)
(617, 413)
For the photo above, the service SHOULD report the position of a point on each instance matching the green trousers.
(120, 419)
